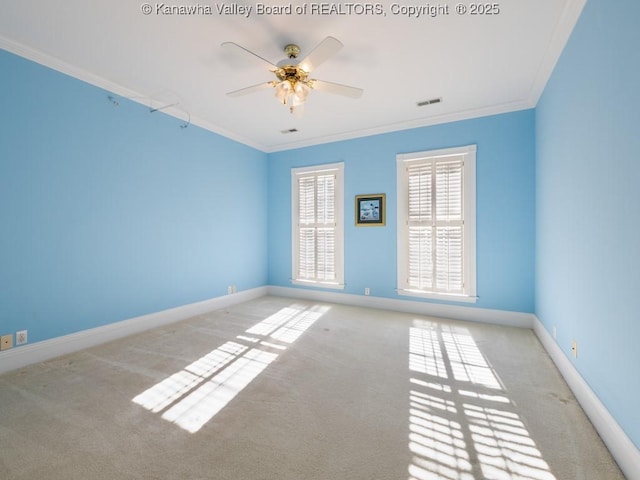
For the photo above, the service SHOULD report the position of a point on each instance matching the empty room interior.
(319, 240)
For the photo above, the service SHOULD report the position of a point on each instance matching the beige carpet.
(286, 389)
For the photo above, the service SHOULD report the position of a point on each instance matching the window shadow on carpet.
(193, 396)
(462, 424)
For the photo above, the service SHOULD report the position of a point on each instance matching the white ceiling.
(477, 64)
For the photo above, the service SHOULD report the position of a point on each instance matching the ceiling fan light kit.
(292, 93)
(293, 84)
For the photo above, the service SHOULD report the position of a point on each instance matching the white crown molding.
(416, 123)
(562, 31)
(115, 88)
(125, 93)
(22, 356)
(619, 444)
(557, 42)
(568, 19)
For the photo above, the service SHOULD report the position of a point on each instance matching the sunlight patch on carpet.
(462, 424)
(192, 397)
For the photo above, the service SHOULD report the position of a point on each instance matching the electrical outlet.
(229, 290)
(367, 291)
(6, 342)
(234, 289)
(555, 333)
(574, 348)
(21, 337)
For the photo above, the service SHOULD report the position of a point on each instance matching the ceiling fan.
(292, 84)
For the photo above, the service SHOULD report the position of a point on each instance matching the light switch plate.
(21, 337)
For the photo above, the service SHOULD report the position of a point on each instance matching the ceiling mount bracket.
(292, 50)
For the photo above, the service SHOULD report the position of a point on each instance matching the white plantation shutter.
(434, 244)
(306, 220)
(421, 264)
(317, 225)
(421, 257)
(449, 225)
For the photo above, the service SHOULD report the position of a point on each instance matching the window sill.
(447, 297)
(311, 283)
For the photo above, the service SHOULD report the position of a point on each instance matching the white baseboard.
(456, 312)
(22, 356)
(619, 444)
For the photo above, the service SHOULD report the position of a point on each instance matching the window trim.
(469, 215)
(339, 217)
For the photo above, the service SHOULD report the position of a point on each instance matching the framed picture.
(370, 210)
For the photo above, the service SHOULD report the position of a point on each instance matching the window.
(436, 224)
(317, 224)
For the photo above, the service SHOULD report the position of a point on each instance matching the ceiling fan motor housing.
(292, 73)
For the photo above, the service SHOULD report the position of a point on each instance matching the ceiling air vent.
(429, 102)
(290, 130)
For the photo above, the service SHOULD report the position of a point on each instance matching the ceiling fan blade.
(249, 55)
(248, 90)
(337, 89)
(323, 51)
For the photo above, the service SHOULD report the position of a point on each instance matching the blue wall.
(505, 171)
(110, 212)
(588, 258)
